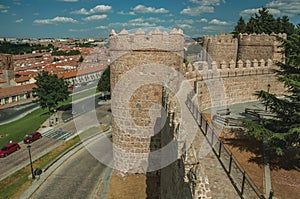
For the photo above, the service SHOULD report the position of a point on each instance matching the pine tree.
(240, 27)
(283, 132)
(104, 82)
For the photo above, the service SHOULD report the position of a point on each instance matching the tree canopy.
(283, 132)
(264, 22)
(15, 49)
(50, 90)
(104, 82)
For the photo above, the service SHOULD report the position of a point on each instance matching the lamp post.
(28, 147)
(56, 117)
(268, 100)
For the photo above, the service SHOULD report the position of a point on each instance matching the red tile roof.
(22, 79)
(15, 90)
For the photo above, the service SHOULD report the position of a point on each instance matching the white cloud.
(4, 11)
(203, 20)
(196, 11)
(3, 6)
(95, 18)
(155, 20)
(96, 10)
(19, 20)
(210, 28)
(126, 13)
(55, 20)
(185, 26)
(140, 22)
(152, 20)
(79, 30)
(218, 22)
(250, 12)
(144, 9)
(16, 2)
(207, 2)
(287, 7)
(101, 27)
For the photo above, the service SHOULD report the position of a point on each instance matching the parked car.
(9, 148)
(32, 137)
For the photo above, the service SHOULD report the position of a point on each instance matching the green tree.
(240, 27)
(80, 58)
(283, 132)
(104, 82)
(264, 22)
(286, 26)
(50, 90)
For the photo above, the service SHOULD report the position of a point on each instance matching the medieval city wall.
(224, 47)
(259, 46)
(223, 83)
(220, 47)
(227, 78)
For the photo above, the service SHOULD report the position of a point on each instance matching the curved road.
(79, 176)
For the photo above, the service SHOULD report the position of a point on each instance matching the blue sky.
(95, 18)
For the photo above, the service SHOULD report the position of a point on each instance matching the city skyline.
(93, 18)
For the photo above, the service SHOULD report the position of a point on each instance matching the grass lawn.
(89, 92)
(16, 130)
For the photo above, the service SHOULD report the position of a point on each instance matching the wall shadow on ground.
(167, 182)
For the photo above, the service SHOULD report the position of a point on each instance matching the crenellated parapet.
(157, 40)
(244, 47)
(219, 47)
(259, 39)
(220, 39)
(261, 46)
(214, 69)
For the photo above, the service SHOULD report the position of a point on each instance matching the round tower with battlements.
(136, 58)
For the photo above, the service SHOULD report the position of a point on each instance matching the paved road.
(20, 158)
(79, 176)
(16, 112)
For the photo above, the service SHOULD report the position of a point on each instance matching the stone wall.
(129, 51)
(221, 84)
(6, 64)
(259, 46)
(246, 47)
(220, 47)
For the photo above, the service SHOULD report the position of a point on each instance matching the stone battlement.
(222, 38)
(124, 42)
(244, 47)
(260, 39)
(214, 69)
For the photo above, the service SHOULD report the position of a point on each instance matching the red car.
(9, 148)
(32, 137)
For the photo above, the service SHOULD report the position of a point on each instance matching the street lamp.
(28, 147)
(268, 100)
(56, 117)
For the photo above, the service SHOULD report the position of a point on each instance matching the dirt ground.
(129, 187)
(284, 178)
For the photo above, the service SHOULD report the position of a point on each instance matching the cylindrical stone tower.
(135, 59)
